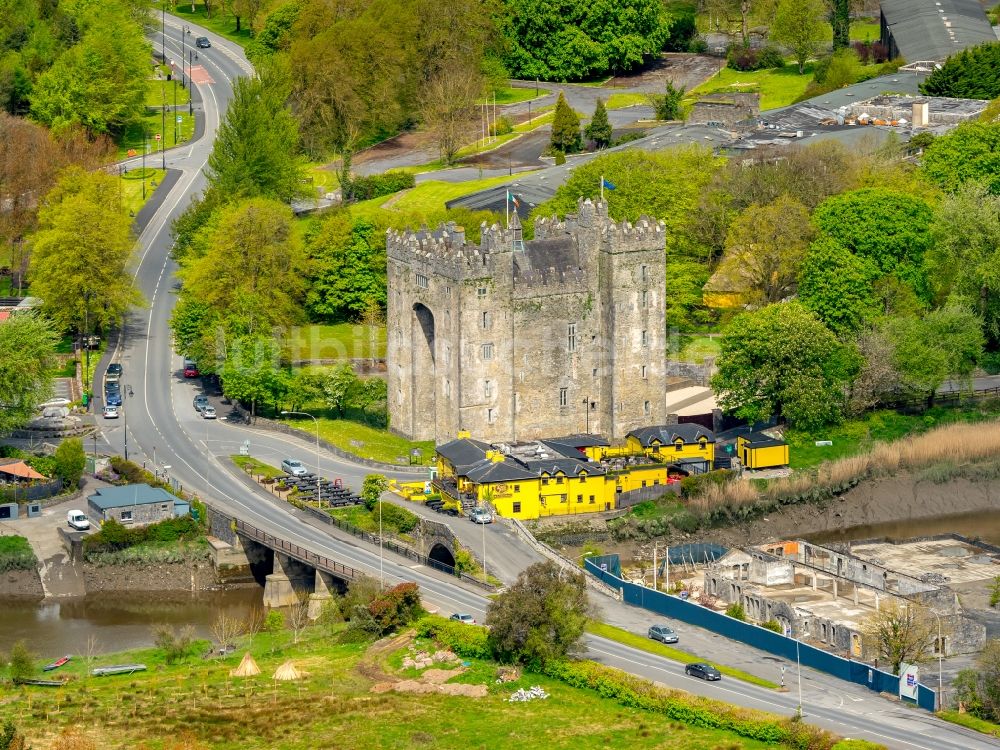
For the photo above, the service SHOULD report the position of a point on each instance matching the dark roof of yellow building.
(761, 440)
(464, 452)
(670, 433)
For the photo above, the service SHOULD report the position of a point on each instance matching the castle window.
(644, 299)
(644, 372)
(481, 292)
(487, 351)
(447, 389)
(645, 408)
(447, 288)
(595, 372)
(488, 388)
(421, 281)
(644, 338)
(563, 396)
(571, 337)
(487, 320)
(491, 416)
(644, 273)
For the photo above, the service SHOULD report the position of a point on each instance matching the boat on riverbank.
(117, 669)
(57, 663)
(38, 683)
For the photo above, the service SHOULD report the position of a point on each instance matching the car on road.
(294, 467)
(112, 396)
(663, 634)
(111, 412)
(77, 520)
(202, 42)
(463, 618)
(208, 412)
(481, 515)
(703, 671)
(200, 402)
(190, 369)
(115, 368)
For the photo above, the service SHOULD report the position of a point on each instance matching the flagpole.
(506, 205)
(602, 188)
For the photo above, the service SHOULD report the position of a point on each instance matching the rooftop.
(131, 494)
(935, 29)
(669, 434)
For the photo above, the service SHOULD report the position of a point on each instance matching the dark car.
(190, 369)
(113, 398)
(115, 368)
(200, 402)
(663, 634)
(704, 671)
(202, 42)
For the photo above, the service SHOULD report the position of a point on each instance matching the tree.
(782, 361)
(599, 128)
(349, 267)
(370, 392)
(372, 489)
(899, 632)
(840, 20)
(297, 615)
(255, 151)
(252, 373)
(27, 367)
(565, 128)
(971, 74)
(21, 662)
(798, 24)
(669, 104)
(540, 618)
(10, 738)
(253, 278)
(83, 252)
(70, 462)
(175, 644)
(878, 377)
(836, 284)
(448, 108)
(226, 629)
(969, 152)
(964, 256)
(337, 387)
(764, 249)
(978, 689)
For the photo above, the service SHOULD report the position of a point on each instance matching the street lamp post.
(86, 344)
(126, 392)
(174, 113)
(163, 126)
(940, 650)
(798, 666)
(183, 51)
(163, 30)
(319, 501)
(190, 86)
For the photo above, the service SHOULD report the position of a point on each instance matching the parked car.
(463, 618)
(704, 671)
(190, 369)
(111, 412)
(200, 402)
(208, 412)
(481, 515)
(77, 520)
(663, 634)
(115, 368)
(202, 42)
(294, 467)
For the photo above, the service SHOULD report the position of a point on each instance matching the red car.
(190, 369)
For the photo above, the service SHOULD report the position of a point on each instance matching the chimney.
(920, 116)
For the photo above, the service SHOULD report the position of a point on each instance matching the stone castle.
(515, 339)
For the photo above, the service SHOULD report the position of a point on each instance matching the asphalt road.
(163, 430)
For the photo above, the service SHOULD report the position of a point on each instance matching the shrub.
(465, 562)
(274, 622)
(467, 642)
(695, 484)
(697, 46)
(16, 554)
(360, 593)
(175, 644)
(668, 105)
(560, 157)
(114, 537)
(502, 126)
(393, 609)
(70, 461)
(737, 612)
(400, 519)
(748, 58)
(685, 521)
(770, 57)
(377, 185)
(21, 662)
(773, 625)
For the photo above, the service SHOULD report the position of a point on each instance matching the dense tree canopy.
(969, 152)
(28, 342)
(348, 261)
(836, 284)
(945, 344)
(782, 361)
(973, 73)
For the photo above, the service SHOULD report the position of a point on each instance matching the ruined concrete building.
(515, 339)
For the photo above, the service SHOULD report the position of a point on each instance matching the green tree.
(964, 257)
(256, 148)
(969, 152)
(836, 284)
(372, 489)
(195, 325)
(252, 371)
(540, 618)
(21, 662)
(70, 461)
(798, 24)
(669, 104)
(10, 738)
(253, 279)
(27, 367)
(565, 128)
(305, 387)
(840, 20)
(83, 252)
(782, 361)
(764, 249)
(970, 74)
(599, 128)
(338, 387)
(978, 688)
(899, 633)
(448, 106)
(348, 261)
(889, 228)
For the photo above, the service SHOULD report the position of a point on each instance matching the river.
(117, 621)
(983, 525)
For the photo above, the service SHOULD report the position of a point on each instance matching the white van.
(77, 520)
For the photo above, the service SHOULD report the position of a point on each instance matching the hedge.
(16, 554)
(464, 640)
(114, 537)
(377, 185)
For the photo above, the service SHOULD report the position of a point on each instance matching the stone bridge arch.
(437, 543)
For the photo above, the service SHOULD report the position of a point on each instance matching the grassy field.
(221, 22)
(153, 122)
(512, 95)
(338, 341)
(697, 348)
(971, 722)
(157, 90)
(131, 186)
(674, 654)
(620, 101)
(251, 465)
(194, 704)
(778, 87)
(427, 197)
(369, 442)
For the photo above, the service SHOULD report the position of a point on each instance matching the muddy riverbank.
(184, 576)
(21, 584)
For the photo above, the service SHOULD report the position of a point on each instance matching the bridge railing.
(299, 553)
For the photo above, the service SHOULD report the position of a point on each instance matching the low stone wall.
(698, 373)
(21, 584)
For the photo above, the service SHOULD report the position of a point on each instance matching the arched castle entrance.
(424, 397)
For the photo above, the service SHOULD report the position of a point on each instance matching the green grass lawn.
(221, 22)
(512, 95)
(778, 87)
(158, 91)
(338, 341)
(195, 704)
(971, 722)
(620, 101)
(251, 465)
(674, 654)
(697, 348)
(427, 197)
(369, 442)
(132, 190)
(132, 139)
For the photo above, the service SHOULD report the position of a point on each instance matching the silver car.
(481, 515)
(663, 634)
(208, 412)
(294, 467)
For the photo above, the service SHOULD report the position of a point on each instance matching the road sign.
(245, 448)
(180, 119)
(157, 136)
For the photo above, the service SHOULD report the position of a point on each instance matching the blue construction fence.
(607, 568)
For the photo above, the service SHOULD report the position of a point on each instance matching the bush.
(16, 554)
(773, 625)
(377, 185)
(560, 157)
(467, 642)
(971, 74)
(502, 126)
(70, 461)
(871, 52)
(697, 46)
(747, 58)
(21, 662)
(175, 645)
(668, 105)
(737, 612)
(694, 485)
(399, 519)
(685, 521)
(114, 537)
(395, 608)
(274, 622)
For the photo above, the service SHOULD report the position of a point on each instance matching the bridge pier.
(323, 589)
(281, 587)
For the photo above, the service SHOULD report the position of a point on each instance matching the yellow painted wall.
(763, 457)
(670, 453)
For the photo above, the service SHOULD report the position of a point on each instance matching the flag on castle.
(511, 198)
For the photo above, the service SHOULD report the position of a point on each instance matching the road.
(165, 432)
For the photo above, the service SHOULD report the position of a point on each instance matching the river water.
(983, 525)
(118, 621)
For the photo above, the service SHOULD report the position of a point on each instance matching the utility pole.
(191, 86)
(144, 148)
(174, 113)
(654, 566)
(163, 31)
(163, 126)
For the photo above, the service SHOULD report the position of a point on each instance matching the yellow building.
(690, 446)
(545, 478)
(760, 451)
